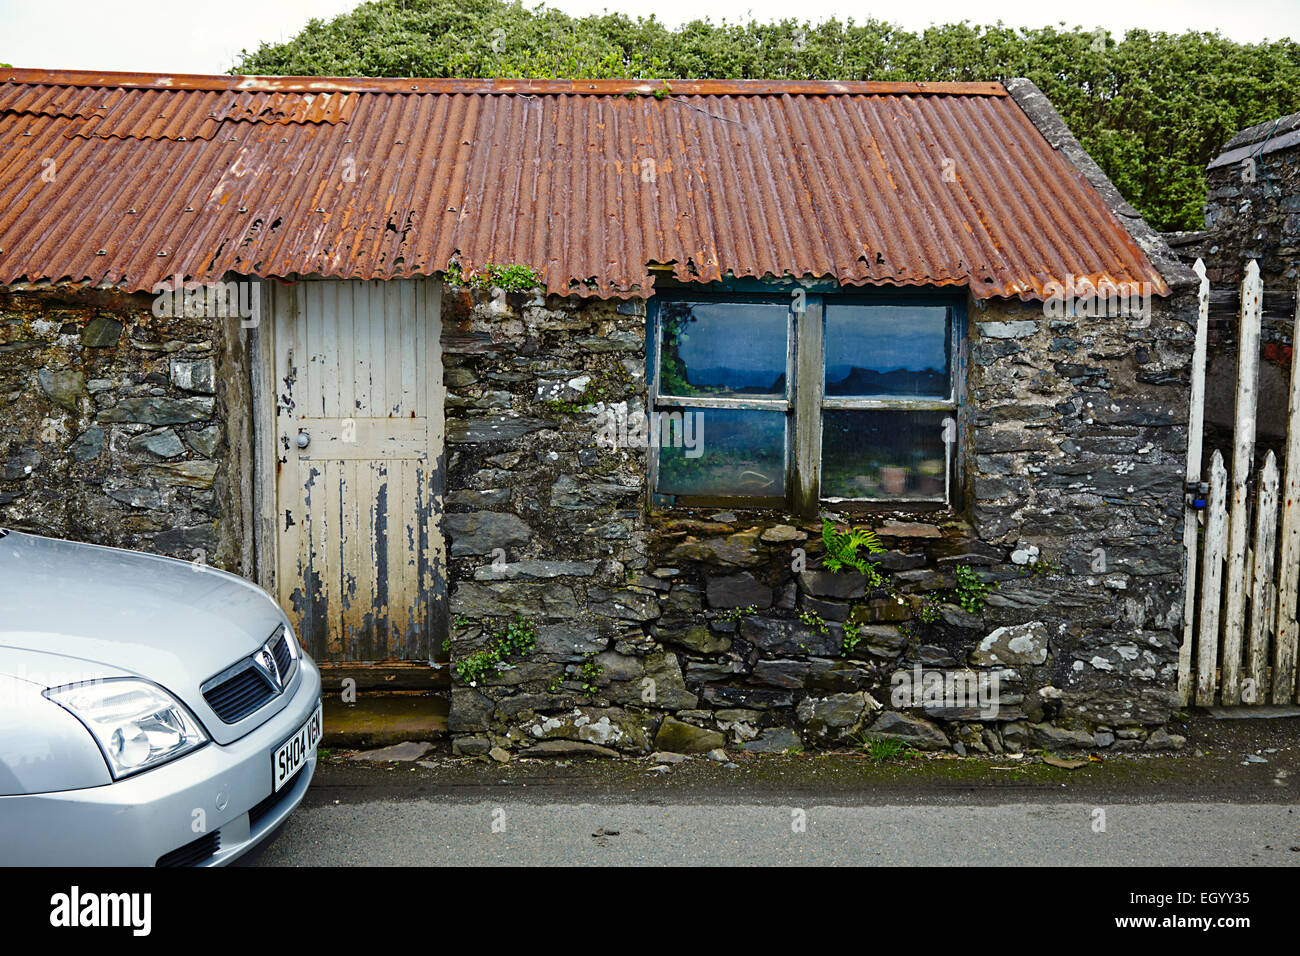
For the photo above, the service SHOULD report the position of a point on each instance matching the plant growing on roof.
(512, 277)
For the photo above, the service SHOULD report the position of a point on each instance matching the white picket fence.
(1241, 584)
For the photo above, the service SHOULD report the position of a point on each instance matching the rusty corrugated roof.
(126, 179)
(170, 114)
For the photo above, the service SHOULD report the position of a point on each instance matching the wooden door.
(358, 438)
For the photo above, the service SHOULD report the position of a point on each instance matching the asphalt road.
(428, 833)
(1232, 797)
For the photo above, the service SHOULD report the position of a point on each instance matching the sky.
(188, 36)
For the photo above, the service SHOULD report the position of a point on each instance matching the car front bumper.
(204, 796)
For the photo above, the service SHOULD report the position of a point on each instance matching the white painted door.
(359, 438)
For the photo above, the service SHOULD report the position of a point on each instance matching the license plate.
(290, 756)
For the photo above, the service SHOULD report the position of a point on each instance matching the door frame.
(265, 403)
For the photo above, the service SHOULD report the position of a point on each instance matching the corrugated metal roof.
(589, 182)
(170, 114)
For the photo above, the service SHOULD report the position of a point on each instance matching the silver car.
(152, 711)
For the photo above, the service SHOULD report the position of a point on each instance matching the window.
(768, 399)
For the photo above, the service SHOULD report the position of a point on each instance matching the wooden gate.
(1240, 583)
(358, 438)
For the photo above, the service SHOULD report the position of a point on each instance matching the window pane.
(883, 454)
(874, 350)
(723, 348)
(736, 453)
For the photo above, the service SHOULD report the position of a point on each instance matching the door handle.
(303, 439)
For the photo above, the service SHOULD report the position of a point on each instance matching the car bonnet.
(171, 622)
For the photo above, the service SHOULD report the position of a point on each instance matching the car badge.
(266, 664)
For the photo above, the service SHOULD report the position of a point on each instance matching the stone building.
(676, 414)
(1252, 211)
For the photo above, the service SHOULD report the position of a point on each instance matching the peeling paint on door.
(359, 439)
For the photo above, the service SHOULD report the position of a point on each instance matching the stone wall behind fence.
(116, 426)
(1246, 220)
(1257, 219)
(684, 629)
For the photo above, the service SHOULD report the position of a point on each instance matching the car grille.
(283, 658)
(236, 697)
(245, 686)
(193, 853)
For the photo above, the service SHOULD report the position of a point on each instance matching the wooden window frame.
(805, 401)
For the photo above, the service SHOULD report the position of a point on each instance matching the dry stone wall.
(116, 425)
(586, 622)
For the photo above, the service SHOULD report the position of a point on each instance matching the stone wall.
(696, 629)
(1250, 218)
(1254, 218)
(116, 425)
(585, 621)
(525, 381)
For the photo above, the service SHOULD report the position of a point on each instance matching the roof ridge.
(481, 86)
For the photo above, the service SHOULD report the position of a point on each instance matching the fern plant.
(846, 550)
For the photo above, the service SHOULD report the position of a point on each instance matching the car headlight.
(138, 725)
(295, 645)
